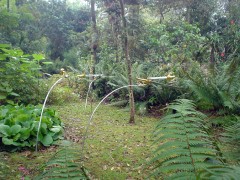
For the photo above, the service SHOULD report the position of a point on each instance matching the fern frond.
(65, 164)
(183, 145)
(221, 172)
(231, 137)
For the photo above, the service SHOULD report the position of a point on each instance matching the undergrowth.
(186, 150)
(65, 164)
(183, 144)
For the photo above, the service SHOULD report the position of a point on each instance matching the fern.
(183, 144)
(231, 137)
(220, 88)
(65, 164)
(221, 172)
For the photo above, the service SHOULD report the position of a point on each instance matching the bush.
(18, 76)
(67, 90)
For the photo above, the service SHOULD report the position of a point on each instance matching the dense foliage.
(19, 126)
(65, 164)
(114, 43)
(185, 149)
(19, 76)
(182, 139)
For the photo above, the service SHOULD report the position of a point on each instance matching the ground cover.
(114, 149)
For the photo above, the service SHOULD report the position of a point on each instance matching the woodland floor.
(114, 149)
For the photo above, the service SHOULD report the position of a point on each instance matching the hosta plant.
(19, 125)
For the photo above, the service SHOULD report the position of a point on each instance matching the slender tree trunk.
(8, 5)
(94, 38)
(128, 62)
(115, 40)
(212, 60)
(212, 57)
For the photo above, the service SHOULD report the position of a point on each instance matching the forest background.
(122, 41)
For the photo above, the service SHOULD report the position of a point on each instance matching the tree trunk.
(212, 57)
(115, 40)
(94, 38)
(128, 63)
(8, 5)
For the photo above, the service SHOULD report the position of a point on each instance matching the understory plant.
(19, 76)
(65, 164)
(183, 145)
(19, 126)
(156, 93)
(216, 88)
(185, 150)
(231, 137)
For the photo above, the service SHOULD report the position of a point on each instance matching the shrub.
(18, 76)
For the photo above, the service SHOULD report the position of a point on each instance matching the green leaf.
(5, 45)
(46, 63)
(7, 141)
(25, 133)
(44, 129)
(5, 130)
(56, 129)
(16, 137)
(15, 129)
(4, 112)
(47, 140)
(10, 102)
(3, 56)
(3, 95)
(38, 57)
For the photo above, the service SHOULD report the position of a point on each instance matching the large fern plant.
(218, 87)
(183, 145)
(65, 164)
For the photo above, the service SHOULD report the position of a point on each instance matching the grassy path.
(114, 149)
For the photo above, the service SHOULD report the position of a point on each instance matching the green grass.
(12, 163)
(114, 149)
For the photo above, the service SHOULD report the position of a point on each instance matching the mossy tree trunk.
(128, 63)
(94, 38)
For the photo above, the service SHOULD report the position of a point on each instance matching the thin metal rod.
(40, 121)
(91, 117)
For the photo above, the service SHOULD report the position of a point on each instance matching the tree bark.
(128, 63)
(8, 5)
(94, 38)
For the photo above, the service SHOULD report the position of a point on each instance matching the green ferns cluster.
(183, 144)
(216, 88)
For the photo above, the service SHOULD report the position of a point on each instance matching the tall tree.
(128, 63)
(114, 17)
(94, 38)
(200, 12)
(8, 5)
